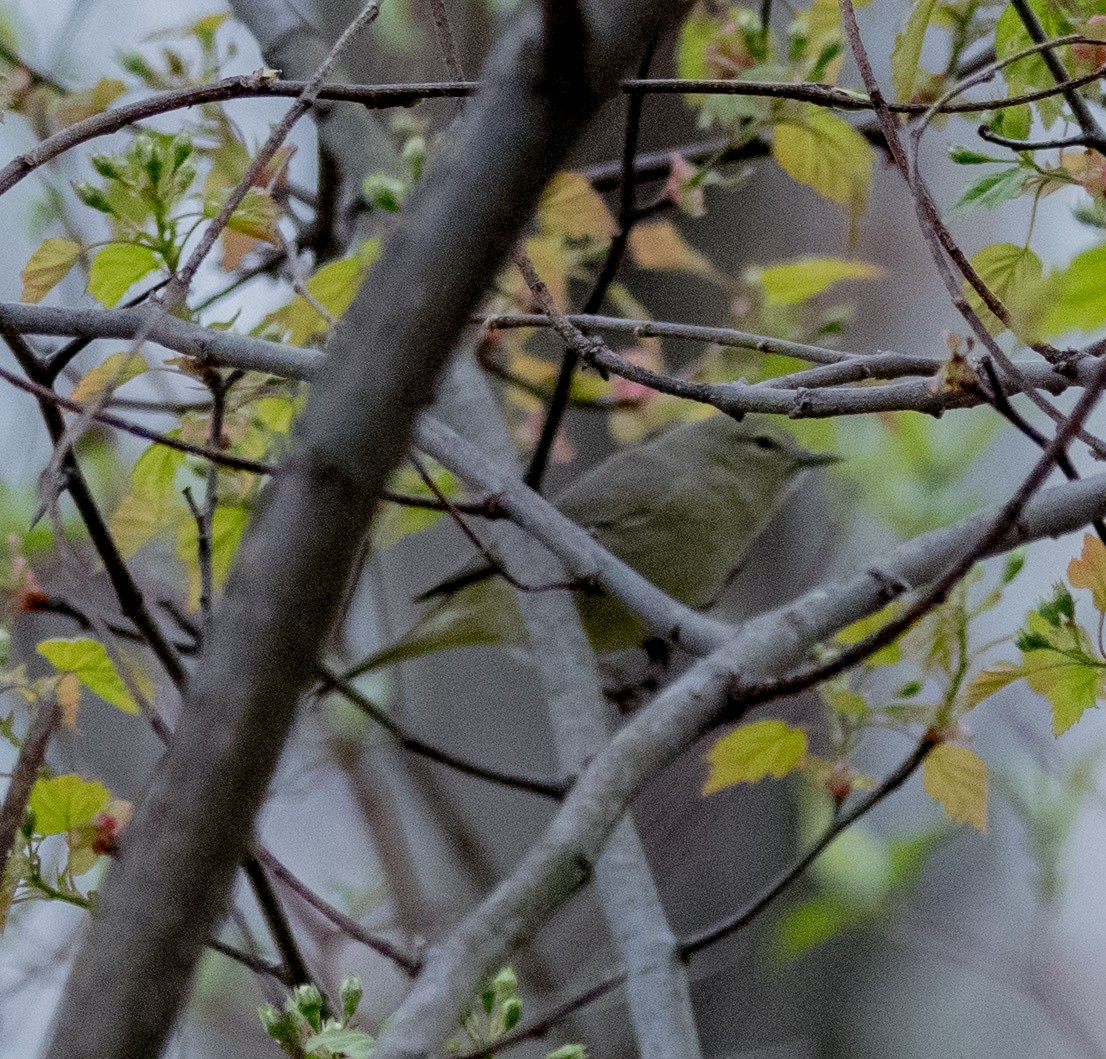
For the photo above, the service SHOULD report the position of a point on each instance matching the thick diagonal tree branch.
(170, 887)
(771, 645)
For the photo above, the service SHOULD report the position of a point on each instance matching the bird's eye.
(763, 441)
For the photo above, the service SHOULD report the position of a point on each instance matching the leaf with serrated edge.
(88, 661)
(116, 268)
(956, 778)
(65, 802)
(753, 751)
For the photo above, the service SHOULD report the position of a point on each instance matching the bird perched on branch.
(683, 509)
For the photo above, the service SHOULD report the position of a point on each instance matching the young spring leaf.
(907, 51)
(1013, 273)
(339, 1040)
(827, 154)
(1061, 665)
(753, 751)
(956, 778)
(1075, 295)
(990, 681)
(153, 504)
(66, 802)
(108, 375)
(795, 281)
(88, 661)
(572, 209)
(116, 268)
(659, 245)
(47, 267)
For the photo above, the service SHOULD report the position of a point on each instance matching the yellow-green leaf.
(108, 376)
(907, 51)
(573, 209)
(861, 630)
(956, 778)
(825, 153)
(256, 215)
(88, 661)
(1071, 686)
(77, 106)
(116, 268)
(48, 266)
(753, 751)
(66, 802)
(659, 245)
(1076, 301)
(1089, 570)
(795, 281)
(986, 683)
(152, 504)
(226, 534)
(1013, 274)
(333, 287)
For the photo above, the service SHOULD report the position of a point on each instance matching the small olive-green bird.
(683, 509)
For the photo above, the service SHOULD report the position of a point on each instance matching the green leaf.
(1030, 73)
(116, 268)
(907, 51)
(964, 156)
(108, 376)
(986, 683)
(338, 1040)
(1077, 301)
(1013, 274)
(796, 281)
(332, 287)
(256, 216)
(397, 521)
(88, 661)
(812, 923)
(152, 505)
(956, 778)
(827, 154)
(48, 266)
(994, 188)
(753, 751)
(1071, 686)
(861, 630)
(228, 526)
(66, 802)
